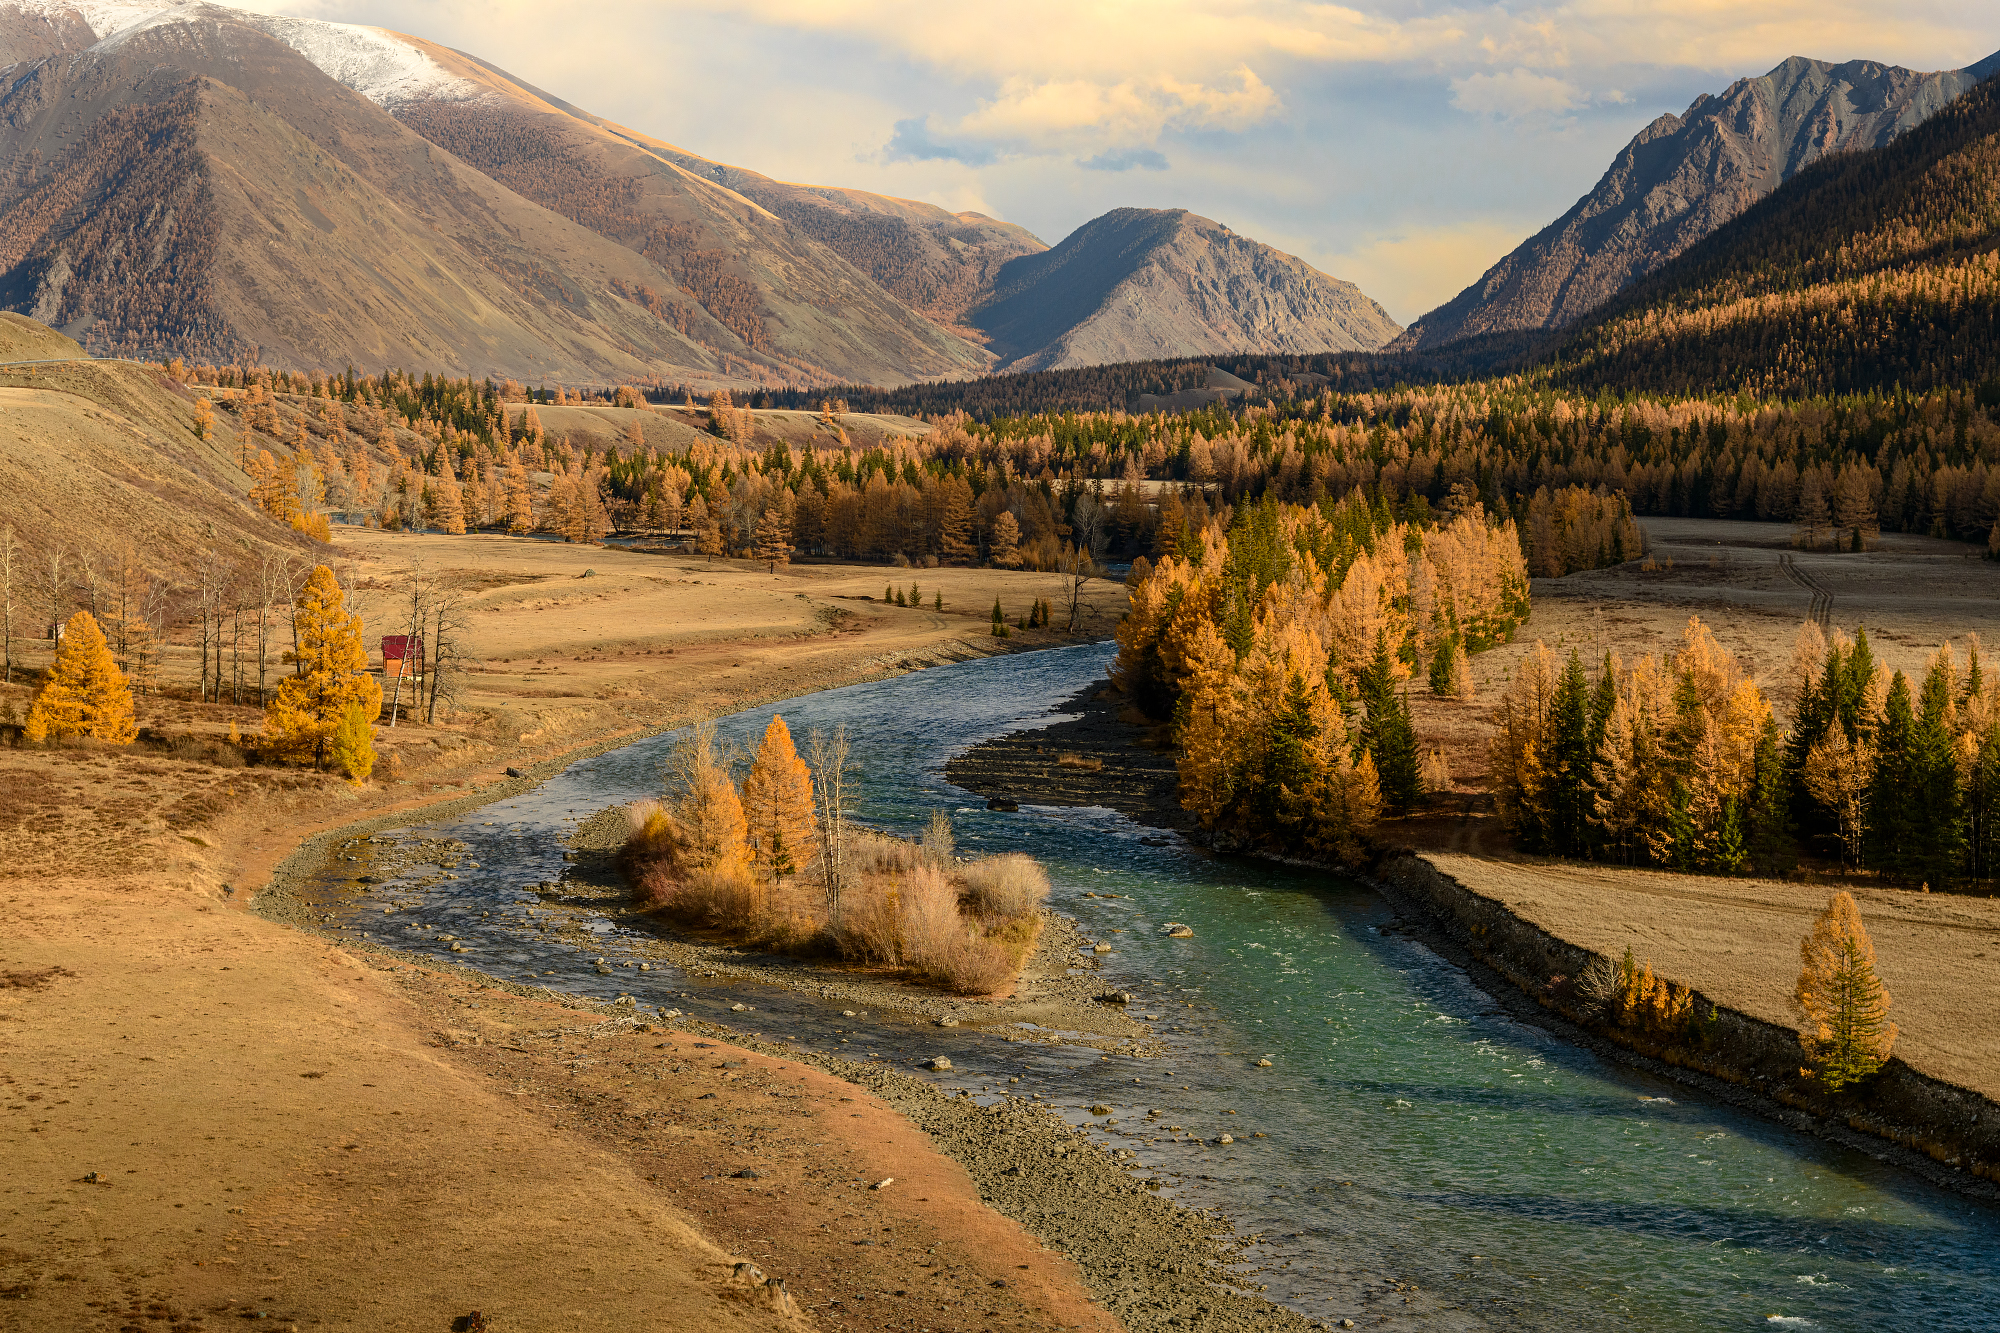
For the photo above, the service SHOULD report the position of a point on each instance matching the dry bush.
(727, 896)
(930, 925)
(1005, 887)
(939, 843)
(1071, 759)
(870, 923)
(870, 854)
(977, 967)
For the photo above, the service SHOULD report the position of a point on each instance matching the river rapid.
(1410, 1150)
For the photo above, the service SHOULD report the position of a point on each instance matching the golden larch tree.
(85, 693)
(710, 831)
(333, 675)
(1847, 1032)
(778, 805)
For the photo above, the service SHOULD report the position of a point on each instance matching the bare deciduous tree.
(10, 576)
(829, 779)
(1077, 568)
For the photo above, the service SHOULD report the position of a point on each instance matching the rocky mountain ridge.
(1682, 177)
(1143, 284)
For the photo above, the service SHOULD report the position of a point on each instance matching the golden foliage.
(332, 675)
(85, 693)
(1846, 1032)
(778, 805)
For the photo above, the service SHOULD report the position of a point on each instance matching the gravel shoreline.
(1157, 1265)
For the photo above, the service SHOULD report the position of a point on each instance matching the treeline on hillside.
(1908, 463)
(1866, 271)
(1279, 648)
(1116, 388)
(1680, 763)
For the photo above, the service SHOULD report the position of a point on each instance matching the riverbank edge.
(1934, 1129)
(1193, 1259)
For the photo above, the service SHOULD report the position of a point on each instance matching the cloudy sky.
(1403, 146)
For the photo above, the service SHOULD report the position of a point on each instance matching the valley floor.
(208, 1115)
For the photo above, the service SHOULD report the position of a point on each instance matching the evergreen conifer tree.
(1892, 799)
(1391, 739)
(1768, 839)
(1982, 807)
(1571, 760)
(1936, 833)
(84, 694)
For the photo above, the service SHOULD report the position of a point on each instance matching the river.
(1410, 1150)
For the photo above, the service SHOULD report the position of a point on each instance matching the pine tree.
(770, 538)
(520, 507)
(332, 675)
(778, 805)
(1892, 799)
(707, 529)
(1391, 739)
(1768, 840)
(1571, 762)
(712, 833)
(84, 694)
(1847, 1034)
(1982, 807)
(1444, 667)
(1936, 819)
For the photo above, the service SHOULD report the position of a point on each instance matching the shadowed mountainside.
(1682, 177)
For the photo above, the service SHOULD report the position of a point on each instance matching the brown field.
(1737, 940)
(347, 1145)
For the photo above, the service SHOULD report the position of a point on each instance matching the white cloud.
(1516, 93)
(1078, 115)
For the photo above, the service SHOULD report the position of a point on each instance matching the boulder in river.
(1116, 997)
(1178, 931)
(1002, 804)
(939, 1062)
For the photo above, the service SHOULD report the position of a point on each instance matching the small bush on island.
(702, 857)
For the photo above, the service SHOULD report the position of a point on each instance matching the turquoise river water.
(1425, 1156)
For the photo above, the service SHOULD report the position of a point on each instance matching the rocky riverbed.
(1087, 758)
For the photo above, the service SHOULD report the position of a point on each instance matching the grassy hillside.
(94, 455)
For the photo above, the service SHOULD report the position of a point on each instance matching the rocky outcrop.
(1142, 284)
(1682, 177)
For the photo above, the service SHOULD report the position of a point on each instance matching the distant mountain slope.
(937, 262)
(315, 230)
(1143, 284)
(198, 188)
(1682, 177)
(1874, 270)
(780, 286)
(180, 178)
